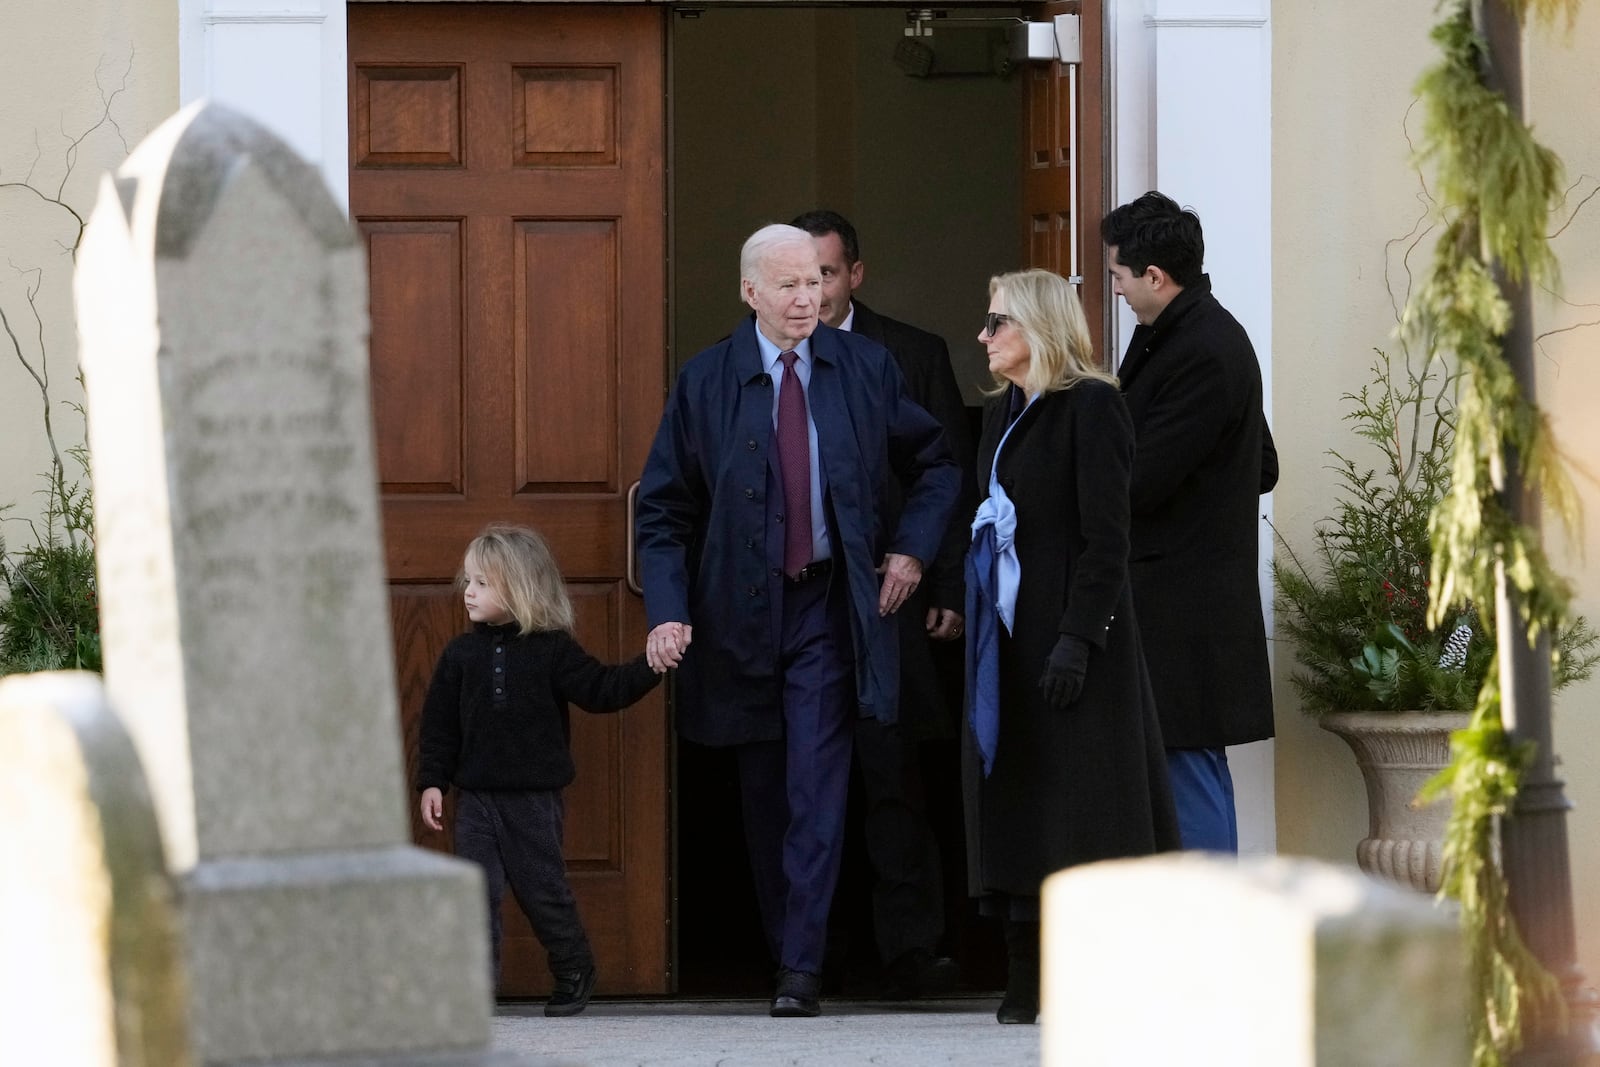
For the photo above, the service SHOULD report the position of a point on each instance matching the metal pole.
(1533, 838)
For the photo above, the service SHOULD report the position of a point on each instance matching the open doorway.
(775, 111)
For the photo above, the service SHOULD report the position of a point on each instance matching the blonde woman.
(494, 725)
(1063, 762)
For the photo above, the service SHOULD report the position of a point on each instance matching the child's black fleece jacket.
(496, 712)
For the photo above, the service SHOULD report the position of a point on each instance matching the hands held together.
(667, 643)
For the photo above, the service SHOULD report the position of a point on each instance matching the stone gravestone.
(91, 969)
(1208, 961)
(222, 313)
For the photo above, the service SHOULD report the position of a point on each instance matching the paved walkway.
(739, 1033)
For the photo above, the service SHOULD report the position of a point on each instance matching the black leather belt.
(819, 568)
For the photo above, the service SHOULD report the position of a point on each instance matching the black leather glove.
(1062, 680)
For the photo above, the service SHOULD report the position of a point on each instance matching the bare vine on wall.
(52, 199)
(1571, 203)
(48, 606)
(1552, 292)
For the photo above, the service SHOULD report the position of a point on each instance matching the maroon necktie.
(794, 463)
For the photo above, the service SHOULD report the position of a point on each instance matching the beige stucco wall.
(1343, 73)
(1561, 71)
(52, 52)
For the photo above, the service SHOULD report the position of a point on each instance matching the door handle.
(633, 542)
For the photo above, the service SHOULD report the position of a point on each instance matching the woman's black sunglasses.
(993, 321)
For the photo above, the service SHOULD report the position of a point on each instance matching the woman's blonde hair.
(1044, 307)
(519, 567)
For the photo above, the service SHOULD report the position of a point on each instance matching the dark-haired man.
(908, 898)
(1204, 457)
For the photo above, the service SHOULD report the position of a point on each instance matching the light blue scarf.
(993, 575)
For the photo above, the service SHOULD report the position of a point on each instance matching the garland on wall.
(1496, 185)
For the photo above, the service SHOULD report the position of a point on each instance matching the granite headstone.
(1213, 961)
(91, 965)
(222, 313)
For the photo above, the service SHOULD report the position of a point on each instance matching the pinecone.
(1454, 655)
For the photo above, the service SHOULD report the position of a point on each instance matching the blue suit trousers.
(794, 790)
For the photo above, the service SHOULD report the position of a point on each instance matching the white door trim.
(283, 66)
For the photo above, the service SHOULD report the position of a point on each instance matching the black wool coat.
(924, 361)
(1205, 455)
(1089, 782)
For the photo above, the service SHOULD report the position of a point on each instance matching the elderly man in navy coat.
(771, 579)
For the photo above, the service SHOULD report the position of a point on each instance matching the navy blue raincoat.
(709, 555)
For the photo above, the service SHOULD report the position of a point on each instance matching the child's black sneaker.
(572, 992)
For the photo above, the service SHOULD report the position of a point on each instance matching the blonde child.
(495, 726)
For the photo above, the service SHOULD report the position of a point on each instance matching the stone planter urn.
(1397, 752)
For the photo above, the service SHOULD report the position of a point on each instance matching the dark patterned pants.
(515, 836)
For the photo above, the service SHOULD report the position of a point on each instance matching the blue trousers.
(1202, 788)
(794, 790)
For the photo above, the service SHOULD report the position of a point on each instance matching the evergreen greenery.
(1496, 185)
(1356, 608)
(49, 617)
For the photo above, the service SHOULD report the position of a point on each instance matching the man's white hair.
(764, 242)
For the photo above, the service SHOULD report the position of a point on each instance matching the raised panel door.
(507, 171)
(1063, 165)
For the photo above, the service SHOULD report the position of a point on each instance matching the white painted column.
(282, 62)
(1192, 116)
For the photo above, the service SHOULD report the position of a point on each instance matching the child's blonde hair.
(521, 570)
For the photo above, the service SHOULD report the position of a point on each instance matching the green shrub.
(1356, 610)
(49, 617)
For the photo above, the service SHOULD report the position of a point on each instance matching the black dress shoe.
(572, 992)
(796, 997)
(919, 973)
(1018, 1008)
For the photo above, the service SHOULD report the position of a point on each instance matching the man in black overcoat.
(908, 898)
(1204, 457)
